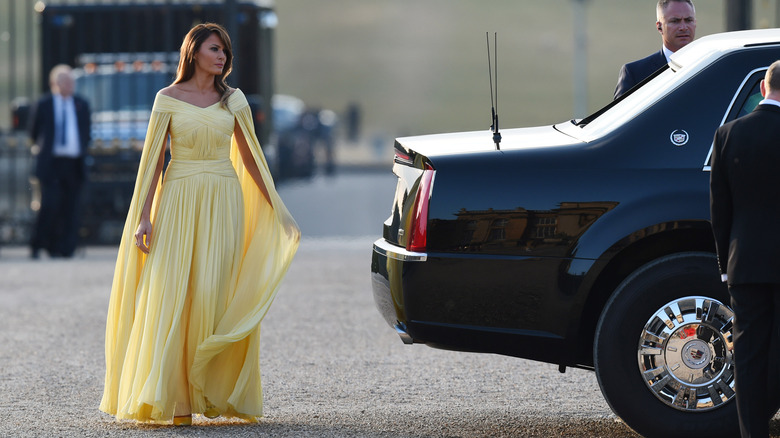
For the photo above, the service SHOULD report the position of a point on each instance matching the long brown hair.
(191, 45)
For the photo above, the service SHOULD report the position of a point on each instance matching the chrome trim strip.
(706, 165)
(523, 332)
(403, 161)
(400, 328)
(389, 250)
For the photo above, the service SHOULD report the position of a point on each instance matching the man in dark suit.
(61, 130)
(744, 194)
(676, 22)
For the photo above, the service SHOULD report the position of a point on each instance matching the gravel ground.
(331, 365)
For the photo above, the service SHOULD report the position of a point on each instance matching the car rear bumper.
(388, 262)
(472, 302)
(388, 250)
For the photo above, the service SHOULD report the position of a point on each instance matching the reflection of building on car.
(301, 135)
(584, 244)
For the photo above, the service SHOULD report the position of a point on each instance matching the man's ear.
(658, 26)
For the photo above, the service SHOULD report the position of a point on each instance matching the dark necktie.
(62, 131)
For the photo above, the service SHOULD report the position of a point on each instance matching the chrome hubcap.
(686, 354)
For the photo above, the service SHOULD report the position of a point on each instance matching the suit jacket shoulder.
(80, 101)
(41, 113)
(635, 72)
(762, 114)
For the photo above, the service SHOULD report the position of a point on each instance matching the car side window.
(745, 101)
(752, 101)
(747, 97)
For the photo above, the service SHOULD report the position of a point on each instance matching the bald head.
(770, 86)
(61, 80)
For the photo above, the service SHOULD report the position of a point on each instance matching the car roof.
(707, 49)
(685, 63)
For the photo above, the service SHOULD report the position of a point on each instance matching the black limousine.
(585, 244)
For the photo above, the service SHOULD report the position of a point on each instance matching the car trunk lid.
(414, 166)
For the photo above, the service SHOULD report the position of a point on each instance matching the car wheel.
(663, 350)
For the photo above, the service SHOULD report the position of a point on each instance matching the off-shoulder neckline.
(198, 106)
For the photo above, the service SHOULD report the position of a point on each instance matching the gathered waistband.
(178, 169)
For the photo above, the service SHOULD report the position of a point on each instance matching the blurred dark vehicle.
(20, 113)
(295, 158)
(302, 132)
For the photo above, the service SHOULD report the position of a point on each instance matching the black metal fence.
(17, 202)
(19, 78)
(122, 52)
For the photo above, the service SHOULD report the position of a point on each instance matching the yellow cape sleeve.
(129, 262)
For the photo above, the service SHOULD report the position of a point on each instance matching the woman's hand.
(145, 225)
(144, 229)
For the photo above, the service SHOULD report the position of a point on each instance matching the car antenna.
(493, 106)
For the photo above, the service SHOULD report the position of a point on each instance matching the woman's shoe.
(182, 420)
(211, 412)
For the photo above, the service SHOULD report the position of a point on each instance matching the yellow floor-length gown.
(183, 324)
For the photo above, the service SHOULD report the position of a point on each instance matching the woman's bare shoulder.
(171, 91)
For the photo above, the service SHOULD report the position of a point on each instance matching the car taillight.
(418, 231)
(403, 158)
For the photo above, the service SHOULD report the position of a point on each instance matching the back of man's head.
(772, 78)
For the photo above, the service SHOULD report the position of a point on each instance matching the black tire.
(621, 331)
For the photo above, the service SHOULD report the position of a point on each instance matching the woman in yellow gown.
(189, 292)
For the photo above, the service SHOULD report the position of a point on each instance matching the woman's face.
(211, 57)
